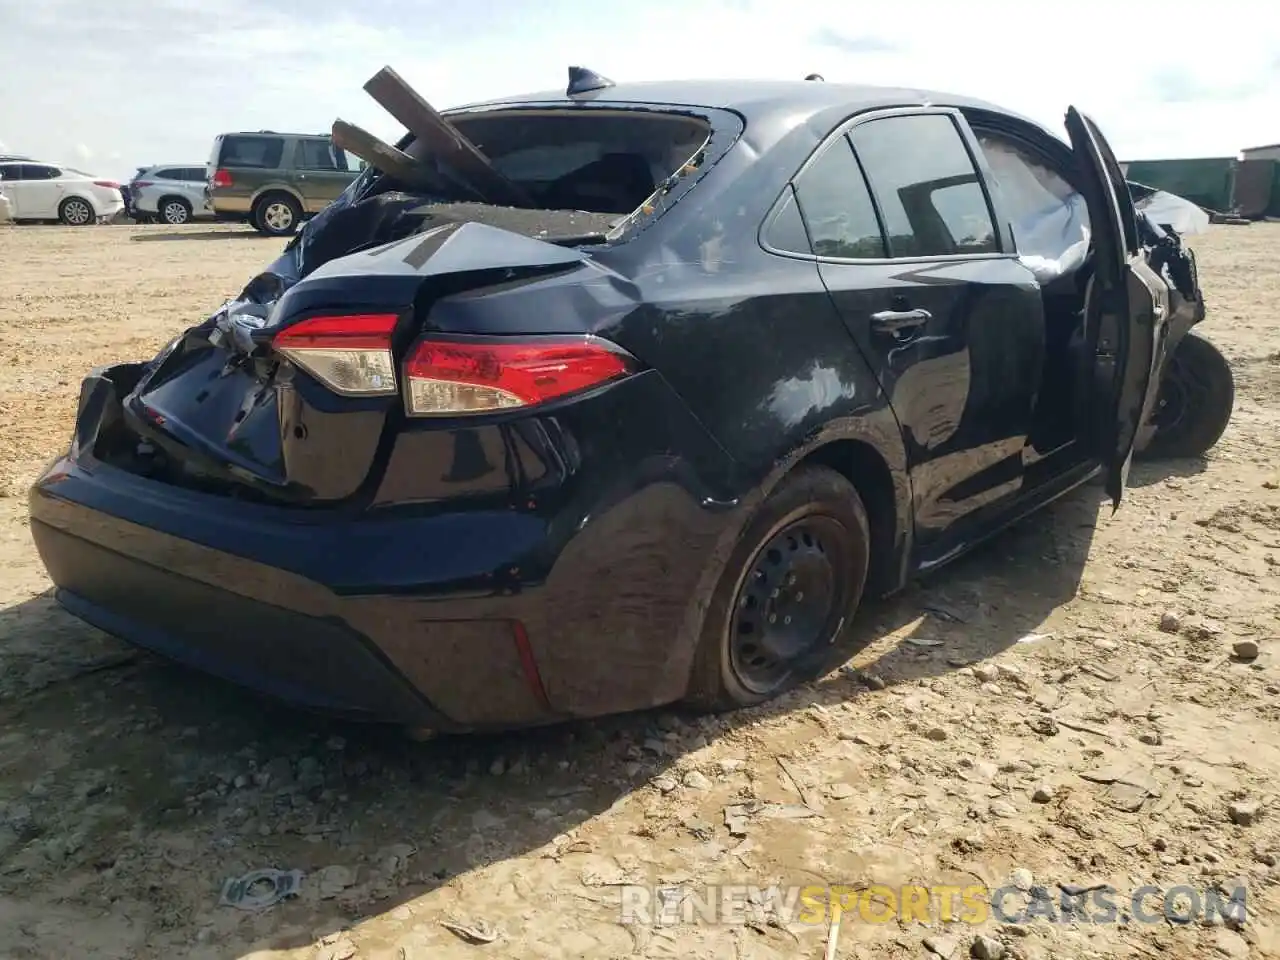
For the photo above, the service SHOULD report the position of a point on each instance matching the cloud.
(252, 64)
(1180, 85)
(82, 152)
(855, 45)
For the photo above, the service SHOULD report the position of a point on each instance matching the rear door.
(39, 192)
(907, 247)
(322, 172)
(1127, 308)
(8, 187)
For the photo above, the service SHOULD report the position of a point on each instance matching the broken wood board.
(382, 156)
(442, 138)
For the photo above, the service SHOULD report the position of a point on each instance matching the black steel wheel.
(1194, 402)
(794, 580)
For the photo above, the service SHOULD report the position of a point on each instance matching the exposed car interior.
(602, 161)
(1050, 222)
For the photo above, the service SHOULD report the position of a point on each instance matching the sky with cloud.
(112, 86)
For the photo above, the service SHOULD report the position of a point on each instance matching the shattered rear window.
(594, 160)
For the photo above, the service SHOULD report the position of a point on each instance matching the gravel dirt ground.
(1061, 708)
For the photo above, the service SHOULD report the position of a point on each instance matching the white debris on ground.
(1090, 700)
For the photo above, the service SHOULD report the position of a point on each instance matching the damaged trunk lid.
(291, 392)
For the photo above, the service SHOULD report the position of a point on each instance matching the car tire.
(1194, 404)
(174, 211)
(277, 215)
(76, 212)
(812, 531)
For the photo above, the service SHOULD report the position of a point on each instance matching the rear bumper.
(473, 619)
(307, 661)
(223, 205)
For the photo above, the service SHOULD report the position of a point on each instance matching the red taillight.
(139, 184)
(350, 355)
(110, 184)
(452, 377)
(222, 178)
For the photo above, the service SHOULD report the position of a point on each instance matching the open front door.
(1127, 306)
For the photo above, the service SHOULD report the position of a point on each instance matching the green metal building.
(1248, 185)
(1210, 183)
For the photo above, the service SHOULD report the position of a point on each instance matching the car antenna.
(816, 76)
(582, 80)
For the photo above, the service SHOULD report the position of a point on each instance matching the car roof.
(182, 163)
(757, 99)
(271, 133)
(64, 167)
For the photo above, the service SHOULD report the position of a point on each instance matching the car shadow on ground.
(246, 234)
(133, 776)
(1145, 473)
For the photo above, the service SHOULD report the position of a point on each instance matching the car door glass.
(836, 206)
(1048, 216)
(9, 172)
(928, 188)
(194, 174)
(316, 155)
(167, 173)
(35, 171)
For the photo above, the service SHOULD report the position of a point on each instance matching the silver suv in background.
(172, 193)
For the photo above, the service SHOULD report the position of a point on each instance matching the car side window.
(836, 206)
(317, 155)
(1048, 216)
(9, 171)
(195, 174)
(929, 191)
(166, 174)
(785, 232)
(250, 151)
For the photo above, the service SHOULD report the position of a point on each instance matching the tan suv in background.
(275, 180)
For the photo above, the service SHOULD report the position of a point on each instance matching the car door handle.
(899, 322)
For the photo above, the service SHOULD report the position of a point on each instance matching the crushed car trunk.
(478, 202)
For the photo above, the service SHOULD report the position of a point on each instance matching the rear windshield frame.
(725, 128)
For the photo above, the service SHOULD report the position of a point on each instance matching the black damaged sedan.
(745, 354)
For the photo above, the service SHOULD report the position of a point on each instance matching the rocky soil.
(1093, 699)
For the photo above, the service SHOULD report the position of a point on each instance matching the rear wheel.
(174, 211)
(76, 212)
(794, 579)
(1194, 403)
(277, 215)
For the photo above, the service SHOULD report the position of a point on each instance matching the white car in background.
(48, 191)
(172, 193)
